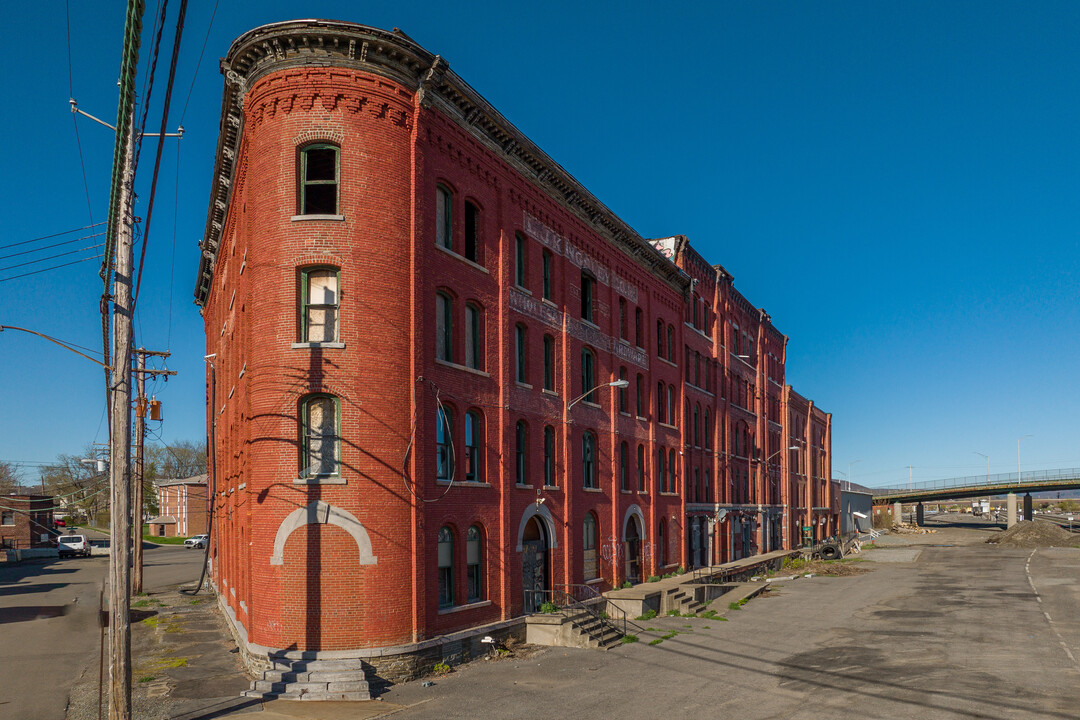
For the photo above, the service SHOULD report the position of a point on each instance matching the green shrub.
(657, 641)
(734, 606)
(549, 607)
(681, 570)
(440, 668)
(653, 578)
(648, 615)
(674, 613)
(627, 639)
(627, 584)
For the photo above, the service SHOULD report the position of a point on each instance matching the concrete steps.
(684, 602)
(594, 633)
(312, 680)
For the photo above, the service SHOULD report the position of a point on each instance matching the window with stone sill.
(319, 180)
(319, 304)
(320, 444)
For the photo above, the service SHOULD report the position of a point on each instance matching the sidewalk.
(187, 667)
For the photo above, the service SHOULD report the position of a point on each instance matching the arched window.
(444, 327)
(697, 426)
(623, 320)
(661, 408)
(472, 232)
(639, 328)
(319, 304)
(671, 404)
(320, 439)
(444, 448)
(661, 546)
(588, 460)
(592, 566)
(640, 395)
(673, 471)
(521, 351)
(446, 567)
(708, 485)
(444, 217)
(547, 261)
(641, 468)
(697, 486)
(660, 338)
(588, 296)
(708, 431)
(624, 466)
(319, 180)
(474, 447)
(588, 375)
(661, 469)
(474, 556)
(519, 259)
(549, 456)
(671, 343)
(549, 363)
(474, 356)
(624, 392)
(521, 439)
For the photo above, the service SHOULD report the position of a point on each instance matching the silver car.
(197, 541)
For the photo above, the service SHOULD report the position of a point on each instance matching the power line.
(198, 63)
(74, 120)
(53, 245)
(161, 144)
(52, 257)
(49, 237)
(55, 267)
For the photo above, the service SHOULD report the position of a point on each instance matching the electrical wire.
(55, 267)
(49, 237)
(48, 247)
(172, 262)
(452, 462)
(161, 144)
(198, 63)
(52, 257)
(148, 82)
(74, 118)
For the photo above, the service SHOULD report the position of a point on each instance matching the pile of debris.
(912, 529)
(1035, 534)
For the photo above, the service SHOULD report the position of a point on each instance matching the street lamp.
(614, 384)
(1018, 478)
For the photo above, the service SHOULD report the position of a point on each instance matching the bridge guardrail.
(996, 479)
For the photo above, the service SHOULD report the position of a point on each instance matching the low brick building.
(26, 521)
(447, 380)
(182, 507)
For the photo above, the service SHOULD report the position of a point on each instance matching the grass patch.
(648, 615)
(706, 627)
(147, 678)
(708, 614)
(668, 635)
(688, 626)
(441, 668)
(657, 641)
(674, 613)
(627, 639)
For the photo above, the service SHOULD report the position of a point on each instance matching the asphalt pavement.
(48, 622)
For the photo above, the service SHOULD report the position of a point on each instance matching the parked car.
(197, 541)
(73, 545)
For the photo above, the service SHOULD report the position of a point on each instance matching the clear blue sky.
(896, 183)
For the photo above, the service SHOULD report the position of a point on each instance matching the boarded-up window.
(320, 312)
(592, 567)
(320, 437)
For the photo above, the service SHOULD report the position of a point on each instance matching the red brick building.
(182, 507)
(415, 316)
(26, 521)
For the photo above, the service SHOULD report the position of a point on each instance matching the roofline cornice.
(396, 56)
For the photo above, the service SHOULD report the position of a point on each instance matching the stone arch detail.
(531, 510)
(321, 512)
(635, 510)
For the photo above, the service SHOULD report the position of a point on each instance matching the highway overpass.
(980, 485)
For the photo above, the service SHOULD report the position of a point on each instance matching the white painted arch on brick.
(321, 512)
(544, 516)
(635, 510)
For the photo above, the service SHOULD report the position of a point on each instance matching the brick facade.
(26, 521)
(182, 507)
(349, 560)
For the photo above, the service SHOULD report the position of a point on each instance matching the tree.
(79, 487)
(182, 459)
(9, 478)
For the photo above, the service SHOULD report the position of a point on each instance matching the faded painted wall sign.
(587, 333)
(558, 244)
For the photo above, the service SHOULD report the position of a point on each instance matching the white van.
(73, 545)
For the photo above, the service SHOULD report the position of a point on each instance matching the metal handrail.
(567, 601)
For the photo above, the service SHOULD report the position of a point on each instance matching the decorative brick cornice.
(395, 56)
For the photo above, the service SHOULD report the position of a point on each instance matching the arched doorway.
(534, 565)
(633, 550)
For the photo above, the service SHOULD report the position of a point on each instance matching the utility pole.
(120, 467)
(140, 436)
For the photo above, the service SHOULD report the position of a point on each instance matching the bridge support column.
(897, 514)
(1028, 515)
(1010, 501)
(919, 514)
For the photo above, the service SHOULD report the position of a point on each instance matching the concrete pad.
(290, 709)
(894, 555)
